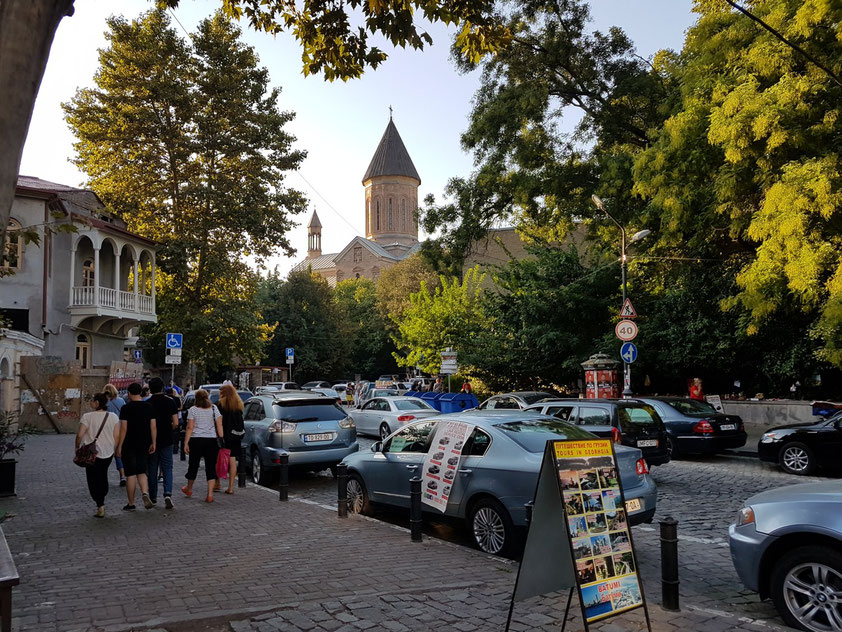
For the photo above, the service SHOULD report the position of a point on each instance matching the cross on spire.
(390, 112)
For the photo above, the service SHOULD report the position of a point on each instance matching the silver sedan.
(381, 416)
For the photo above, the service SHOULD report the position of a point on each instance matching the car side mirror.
(377, 446)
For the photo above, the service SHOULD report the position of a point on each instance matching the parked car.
(190, 399)
(801, 448)
(274, 387)
(315, 432)
(371, 391)
(497, 476)
(787, 544)
(381, 416)
(513, 401)
(696, 427)
(631, 421)
(328, 392)
(316, 384)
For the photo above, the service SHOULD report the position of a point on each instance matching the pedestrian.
(166, 420)
(145, 393)
(696, 391)
(349, 393)
(466, 386)
(115, 403)
(439, 386)
(103, 427)
(233, 429)
(138, 432)
(204, 434)
(174, 387)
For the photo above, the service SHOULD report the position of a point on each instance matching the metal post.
(241, 471)
(283, 486)
(415, 508)
(342, 483)
(669, 563)
(627, 392)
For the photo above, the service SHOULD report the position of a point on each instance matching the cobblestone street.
(251, 563)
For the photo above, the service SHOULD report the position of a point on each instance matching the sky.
(339, 124)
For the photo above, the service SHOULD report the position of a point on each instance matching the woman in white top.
(201, 441)
(109, 436)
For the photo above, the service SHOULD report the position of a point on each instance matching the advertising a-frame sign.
(579, 500)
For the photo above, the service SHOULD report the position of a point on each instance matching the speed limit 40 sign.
(626, 330)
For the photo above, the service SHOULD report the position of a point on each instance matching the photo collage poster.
(442, 462)
(595, 513)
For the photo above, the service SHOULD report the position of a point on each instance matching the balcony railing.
(113, 299)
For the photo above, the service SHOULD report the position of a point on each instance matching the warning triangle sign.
(628, 310)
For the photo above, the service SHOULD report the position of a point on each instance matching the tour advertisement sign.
(441, 464)
(600, 538)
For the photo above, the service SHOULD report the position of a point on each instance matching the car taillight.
(282, 426)
(616, 436)
(703, 427)
(641, 467)
(405, 418)
(346, 423)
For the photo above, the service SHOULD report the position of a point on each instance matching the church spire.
(314, 237)
(391, 157)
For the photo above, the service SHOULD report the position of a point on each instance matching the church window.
(403, 214)
(377, 215)
(358, 254)
(390, 213)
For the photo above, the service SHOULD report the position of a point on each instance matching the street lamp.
(641, 234)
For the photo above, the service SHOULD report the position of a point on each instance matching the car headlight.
(769, 437)
(746, 516)
(346, 423)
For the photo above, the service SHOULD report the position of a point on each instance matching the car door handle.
(412, 467)
(465, 471)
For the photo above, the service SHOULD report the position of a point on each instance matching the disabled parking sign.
(173, 341)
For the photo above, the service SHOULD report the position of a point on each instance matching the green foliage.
(366, 338)
(397, 283)
(185, 142)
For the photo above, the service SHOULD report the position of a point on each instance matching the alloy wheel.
(813, 594)
(489, 530)
(796, 459)
(356, 498)
(384, 431)
(256, 468)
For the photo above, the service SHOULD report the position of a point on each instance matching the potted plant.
(12, 438)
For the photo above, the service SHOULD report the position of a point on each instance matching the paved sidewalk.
(250, 563)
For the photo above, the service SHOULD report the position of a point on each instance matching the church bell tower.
(314, 237)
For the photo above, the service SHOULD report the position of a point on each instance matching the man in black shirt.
(137, 441)
(166, 418)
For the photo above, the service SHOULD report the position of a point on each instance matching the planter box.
(7, 477)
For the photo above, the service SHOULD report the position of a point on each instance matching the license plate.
(728, 427)
(633, 505)
(325, 436)
(647, 443)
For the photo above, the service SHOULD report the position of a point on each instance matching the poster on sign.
(600, 538)
(716, 402)
(441, 464)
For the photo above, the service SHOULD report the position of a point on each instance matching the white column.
(117, 275)
(96, 275)
(135, 279)
(153, 281)
(72, 271)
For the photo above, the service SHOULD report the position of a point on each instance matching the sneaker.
(168, 502)
(122, 482)
(154, 501)
(147, 502)
(100, 512)
(129, 508)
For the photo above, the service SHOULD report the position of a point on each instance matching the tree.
(398, 282)
(449, 316)
(366, 337)
(305, 317)
(185, 141)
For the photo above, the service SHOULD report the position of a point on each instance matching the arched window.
(390, 213)
(11, 257)
(377, 215)
(83, 351)
(88, 273)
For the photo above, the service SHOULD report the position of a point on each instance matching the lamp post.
(627, 392)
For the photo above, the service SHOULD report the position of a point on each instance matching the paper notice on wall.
(716, 402)
(441, 464)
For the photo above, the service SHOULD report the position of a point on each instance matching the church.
(391, 229)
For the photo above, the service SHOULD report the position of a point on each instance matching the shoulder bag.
(86, 453)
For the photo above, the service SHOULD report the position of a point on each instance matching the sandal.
(187, 491)
(229, 491)
(209, 499)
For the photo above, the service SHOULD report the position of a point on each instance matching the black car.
(801, 448)
(696, 427)
(628, 421)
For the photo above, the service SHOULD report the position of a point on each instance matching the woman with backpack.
(231, 407)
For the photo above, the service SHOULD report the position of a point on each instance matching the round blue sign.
(628, 352)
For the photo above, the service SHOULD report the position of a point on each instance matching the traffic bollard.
(415, 509)
(529, 507)
(283, 486)
(669, 563)
(342, 488)
(241, 471)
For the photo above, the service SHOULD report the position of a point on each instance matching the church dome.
(391, 157)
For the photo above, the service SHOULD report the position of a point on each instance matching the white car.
(381, 416)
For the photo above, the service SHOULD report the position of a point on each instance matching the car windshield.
(531, 398)
(310, 410)
(412, 404)
(692, 407)
(532, 434)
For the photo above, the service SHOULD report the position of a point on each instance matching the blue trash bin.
(457, 402)
(410, 394)
(433, 399)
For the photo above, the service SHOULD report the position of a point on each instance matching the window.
(83, 351)
(88, 273)
(254, 411)
(414, 438)
(372, 405)
(390, 213)
(403, 214)
(358, 254)
(377, 215)
(12, 247)
(592, 416)
(641, 415)
(497, 403)
(532, 434)
(411, 404)
(477, 443)
(561, 412)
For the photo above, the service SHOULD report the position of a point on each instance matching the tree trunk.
(26, 34)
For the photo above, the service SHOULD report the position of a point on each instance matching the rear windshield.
(692, 407)
(412, 404)
(532, 434)
(531, 398)
(312, 410)
(637, 416)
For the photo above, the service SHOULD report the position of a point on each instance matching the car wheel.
(805, 584)
(797, 458)
(385, 431)
(358, 502)
(491, 527)
(672, 447)
(258, 474)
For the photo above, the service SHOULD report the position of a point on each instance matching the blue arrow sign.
(290, 352)
(138, 354)
(173, 341)
(628, 352)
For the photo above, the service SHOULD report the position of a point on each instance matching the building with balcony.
(80, 291)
